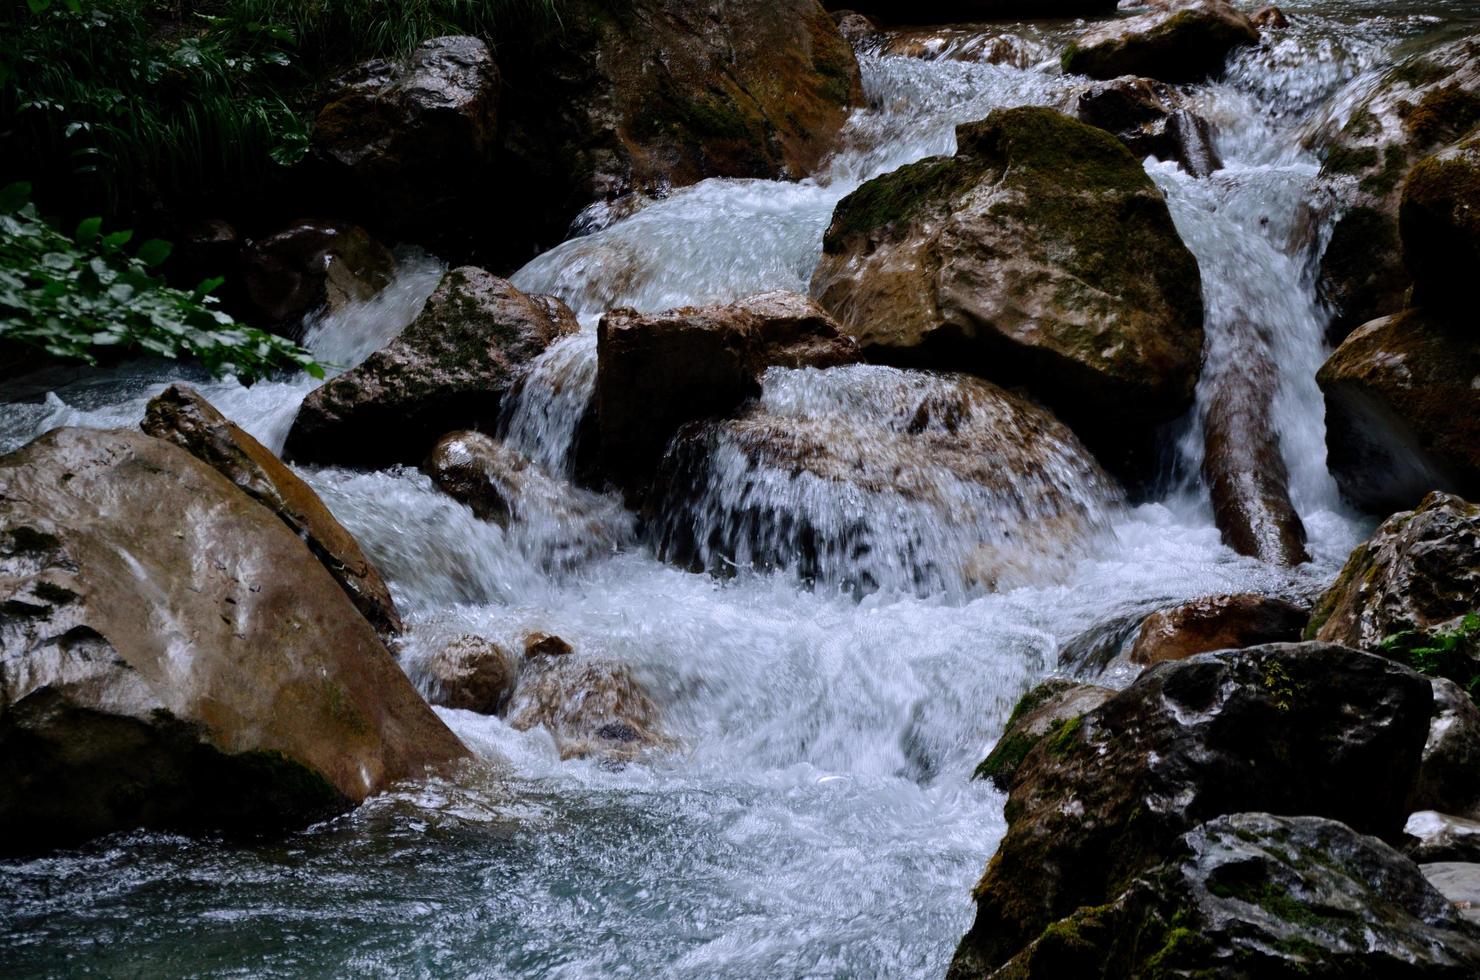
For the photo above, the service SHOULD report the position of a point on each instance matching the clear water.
(817, 818)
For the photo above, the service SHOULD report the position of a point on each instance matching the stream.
(817, 817)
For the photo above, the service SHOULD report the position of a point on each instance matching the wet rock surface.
(471, 674)
(967, 11)
(1257, 895)
(1420, 572)
(656, 372)
(311, 267)
(867, 477)
(406, 139)
(448, 370)
(1042, 255)
(181, 416)
(1047, 709)
(1148, 117)
(1439, 220)
(1222, 622)
(1177, 41)
(173, 656)
(1403, 410)
(1449, 775)
(1422, 105)
(1298, 729)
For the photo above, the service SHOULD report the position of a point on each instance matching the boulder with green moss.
(1286, 728)
(1176, 41)
(1403, 409)
(1418, 574)
(1440, 222)
(1421, 106)
(1039, 255)
(1257, 895)
(973, 11)
(449, 369)
(1049, 710)
(173, 656)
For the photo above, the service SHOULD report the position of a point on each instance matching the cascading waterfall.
(825, 735)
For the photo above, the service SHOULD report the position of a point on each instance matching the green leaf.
(14, 196)
(153, 252)
(209, 286)
(38, 6)
(117, 240)
(87, 230)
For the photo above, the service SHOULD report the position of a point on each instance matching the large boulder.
(642, 96)
(181, 416)
(172, 655)
(448, 370)
(656, 372)
(1403, 410)
(1176, 41)
(1220, 622)
(1150, 118)
(1419, 573)
(1286, 728)
(1257, 895)
(1421, 106)
(1449, 776)
(1040, 254)
(1439, 219)
(309, 267)
(407, 140)
(868, 477)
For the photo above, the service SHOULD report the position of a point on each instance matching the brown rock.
(1403, 410)
(1147, 116)
(1222, 622)
(658, 371)
(312, 266)
(1419, 572)
(1040, 255)
(590, 707)
(1269, 19)
(471, 674)
(479, 471)
(448, 370)
(1177, 41)
(538, 645)
(172, 656)
(181, 416)
(967, 11)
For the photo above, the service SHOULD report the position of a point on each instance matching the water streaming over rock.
(816, 817)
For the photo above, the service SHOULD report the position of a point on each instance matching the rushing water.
(817, 817)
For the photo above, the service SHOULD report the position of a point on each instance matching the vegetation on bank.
(92, 294)
(1453, 654)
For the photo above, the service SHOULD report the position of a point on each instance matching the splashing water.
(818, 817)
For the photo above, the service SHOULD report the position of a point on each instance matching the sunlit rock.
(1223, 622)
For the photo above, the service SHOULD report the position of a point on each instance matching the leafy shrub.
(79, 296)
(1454, 654)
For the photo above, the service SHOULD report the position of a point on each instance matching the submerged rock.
(448, 370)
(309, 267)
(479, 471)
(173, 656)
(1041, 254)
(1257, 895)
(591, 708)
(544, 645)
(657, 371)
(1048, 708)
(865, 478)
(407, 140)
(1287, 728)
(1177, 41)
(1221, 622)
(181, 416)
(1148, 118)
(1403, 410)
(1420, 106)
(1419, 573)
(471, 674)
